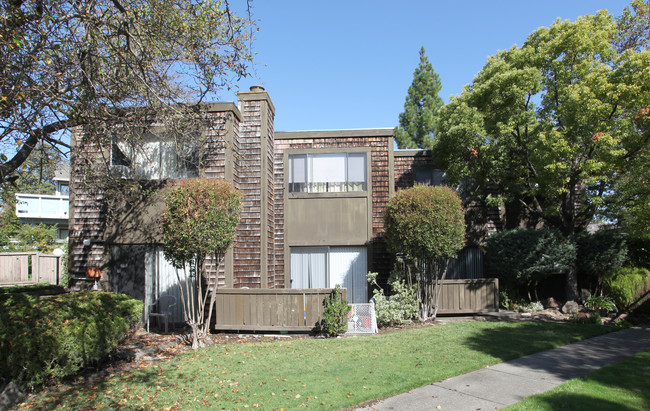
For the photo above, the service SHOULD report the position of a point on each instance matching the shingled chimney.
(254, 245)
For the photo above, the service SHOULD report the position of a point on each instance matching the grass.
(319, 373)
(621, 386)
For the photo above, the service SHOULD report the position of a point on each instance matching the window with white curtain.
(327, 172)
(156, 158)
(324, 267)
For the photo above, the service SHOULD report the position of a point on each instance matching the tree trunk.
(212, 290)
(572, 283)
(439, 282)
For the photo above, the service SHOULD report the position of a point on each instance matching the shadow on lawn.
(523, 338)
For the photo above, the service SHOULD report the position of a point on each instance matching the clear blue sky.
(348, 64)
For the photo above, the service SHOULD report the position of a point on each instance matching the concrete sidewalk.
(507, 383)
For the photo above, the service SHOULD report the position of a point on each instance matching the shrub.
(398, 308)
(199, 220)
(626, 285)
(427, 225)
(518, 305)
(600, 253)
(594, 302)
(622, 323)
(639, 251)
(34, 289)
(527, 256)
(593, 318)
(532, 306)
(46, 339)
(335, 314)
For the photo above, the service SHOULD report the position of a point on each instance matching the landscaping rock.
(10, 396)
(570, 307)
(550, 314)
(551, 303)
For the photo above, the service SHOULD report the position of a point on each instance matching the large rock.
(10, 396)
(570, 307)
(551, 303)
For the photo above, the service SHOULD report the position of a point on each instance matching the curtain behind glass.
(348, 267)
(356, 172)
(308, 267)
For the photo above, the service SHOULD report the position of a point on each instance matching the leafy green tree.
(633, 27)
(527, 256)
(631, 204)
(39, 237)
(427, 225)
(35, 176)
(550, 127)
(418, 121)
(199, 221)
(66, 63)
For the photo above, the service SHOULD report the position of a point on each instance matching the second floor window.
(327, 173)
(155, 158)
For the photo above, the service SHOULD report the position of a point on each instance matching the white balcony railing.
(42, 206)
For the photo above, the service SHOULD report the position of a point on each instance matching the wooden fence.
(280, 309)
(302, 309)
(469, 296)
(29, 268)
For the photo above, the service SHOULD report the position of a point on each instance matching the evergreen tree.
(417, 122)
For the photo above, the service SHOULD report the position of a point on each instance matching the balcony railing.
(42, 206)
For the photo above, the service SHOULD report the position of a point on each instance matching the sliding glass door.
(323, 267)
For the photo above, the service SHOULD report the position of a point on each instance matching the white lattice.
(361, 319)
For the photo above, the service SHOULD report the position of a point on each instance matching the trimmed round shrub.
(425, 221)
(427, 224)
(46, 339)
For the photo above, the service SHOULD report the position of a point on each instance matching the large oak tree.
(553, 126)
(67, 63)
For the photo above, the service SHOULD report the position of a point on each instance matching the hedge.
(43, 340)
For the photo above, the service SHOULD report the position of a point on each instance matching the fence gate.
(29, 268)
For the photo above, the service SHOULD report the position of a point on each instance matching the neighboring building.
(48, 209)
(313, 203)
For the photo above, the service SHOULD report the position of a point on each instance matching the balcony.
(42, 207)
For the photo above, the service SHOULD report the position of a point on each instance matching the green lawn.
(320, 373)
(621, 386)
